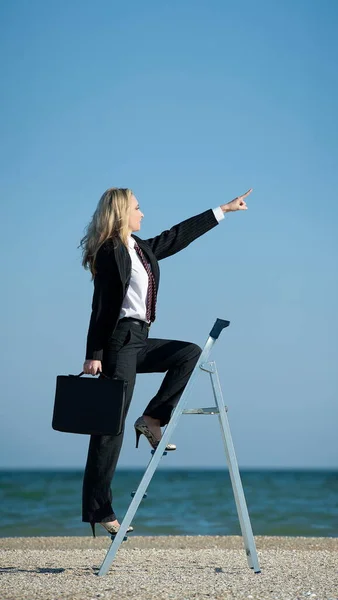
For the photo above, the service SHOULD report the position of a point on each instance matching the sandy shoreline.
(168, 567)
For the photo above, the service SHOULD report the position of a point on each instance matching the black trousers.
(128, 352)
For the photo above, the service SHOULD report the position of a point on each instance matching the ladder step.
(211, 410)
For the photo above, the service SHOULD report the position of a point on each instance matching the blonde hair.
(110, 220)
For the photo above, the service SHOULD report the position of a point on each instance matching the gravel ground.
(168, 568)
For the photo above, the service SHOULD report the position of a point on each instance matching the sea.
(179, 502)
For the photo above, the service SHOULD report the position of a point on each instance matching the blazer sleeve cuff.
(94, 355)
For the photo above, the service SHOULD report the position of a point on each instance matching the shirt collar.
(131, 242)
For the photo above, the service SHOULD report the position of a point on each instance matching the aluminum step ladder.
(219, 409)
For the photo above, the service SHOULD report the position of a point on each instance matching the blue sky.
(189, 104)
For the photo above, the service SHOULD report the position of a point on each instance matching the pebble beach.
(168, 567)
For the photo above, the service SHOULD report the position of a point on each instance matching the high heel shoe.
(142, 427)
(112, 529)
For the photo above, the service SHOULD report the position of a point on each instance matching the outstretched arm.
(180, 236)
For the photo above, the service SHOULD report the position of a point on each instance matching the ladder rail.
(242, 510)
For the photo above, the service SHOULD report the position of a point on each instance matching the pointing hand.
(237, 203)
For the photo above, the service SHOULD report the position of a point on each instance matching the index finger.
(247, 193)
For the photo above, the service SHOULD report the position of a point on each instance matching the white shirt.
(134, 302)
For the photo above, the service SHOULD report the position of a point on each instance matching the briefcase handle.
(82, 373)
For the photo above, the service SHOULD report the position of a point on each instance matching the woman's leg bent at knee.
(178, 358)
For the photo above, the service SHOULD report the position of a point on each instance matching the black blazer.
(113, 270)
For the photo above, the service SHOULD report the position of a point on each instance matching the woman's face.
(135, 215)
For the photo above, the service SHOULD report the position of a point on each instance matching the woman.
(126, 278)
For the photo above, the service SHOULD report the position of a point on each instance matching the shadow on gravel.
(38, 570)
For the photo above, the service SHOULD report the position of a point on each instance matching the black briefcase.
(89, 405)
